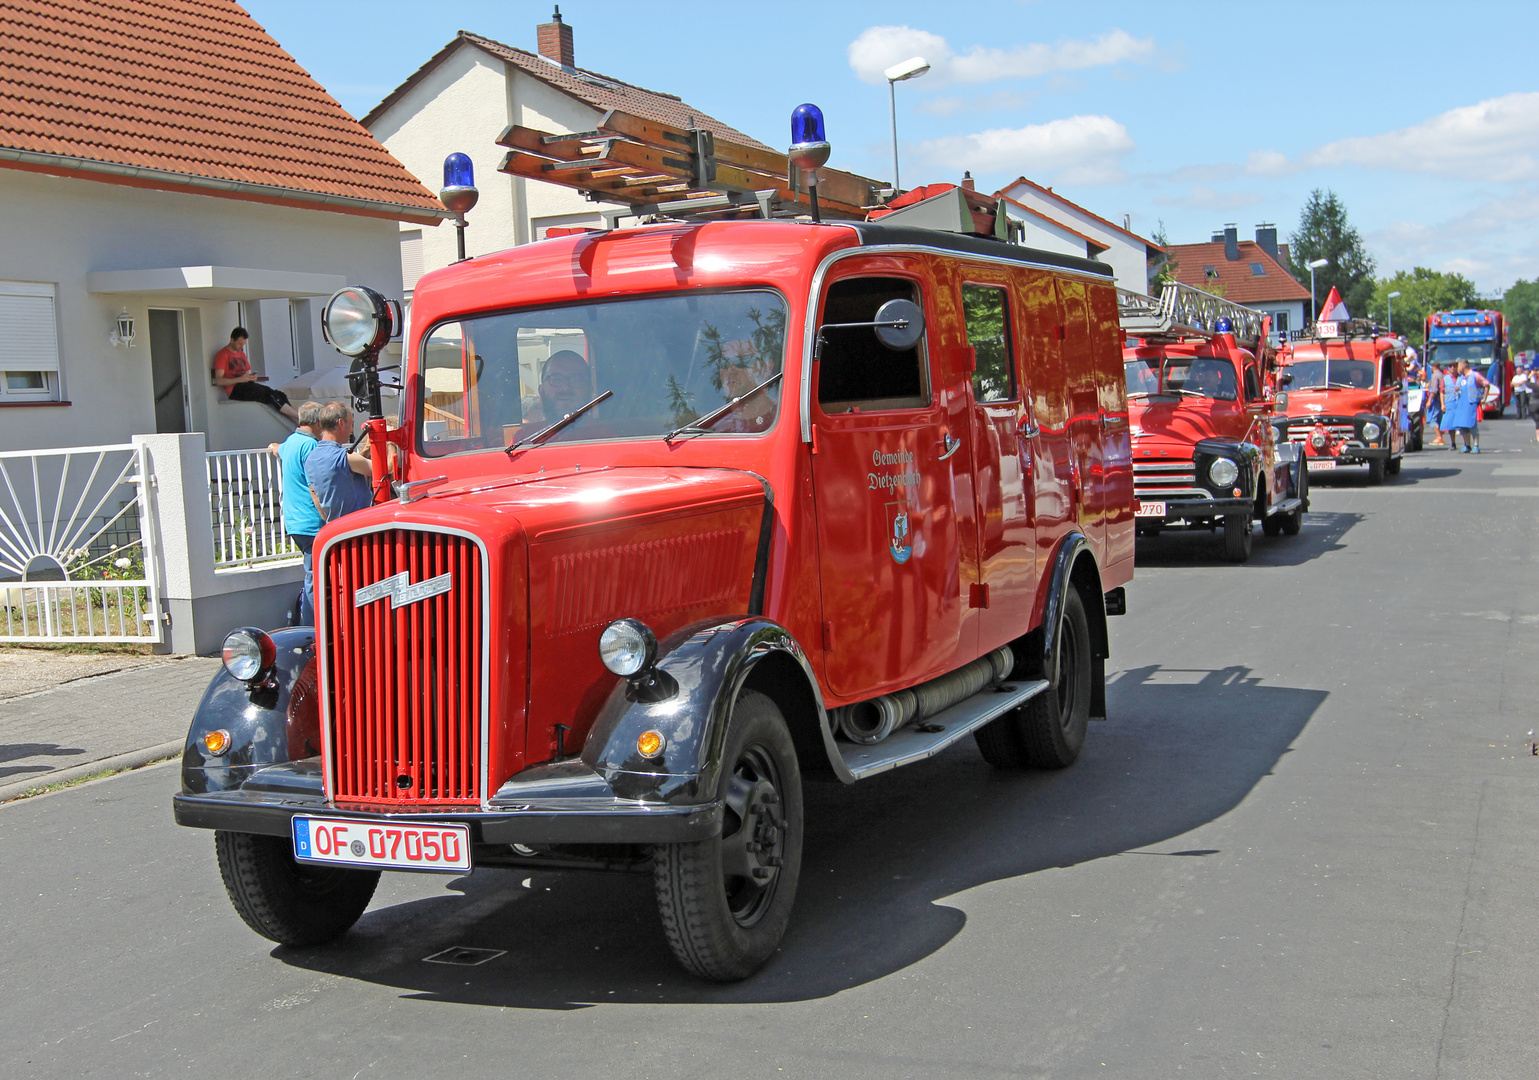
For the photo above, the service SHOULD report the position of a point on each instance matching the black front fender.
(701, 670)
(265, 728)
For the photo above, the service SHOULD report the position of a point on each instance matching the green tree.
(1521, 307)
(1422, 292)
(1167, 266)
(1325, 233)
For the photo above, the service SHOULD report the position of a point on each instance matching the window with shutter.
(411, 258)
(29, 342)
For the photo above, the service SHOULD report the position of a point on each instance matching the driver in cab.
(1212, 378)
(566, 385)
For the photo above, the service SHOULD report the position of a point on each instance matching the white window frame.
(50, 388)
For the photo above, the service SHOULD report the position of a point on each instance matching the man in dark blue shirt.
(336, 477)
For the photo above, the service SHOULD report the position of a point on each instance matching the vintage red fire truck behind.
(683, 514)
(1204, 451)
(1345, 402)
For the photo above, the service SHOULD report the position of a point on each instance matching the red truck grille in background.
(403, 682)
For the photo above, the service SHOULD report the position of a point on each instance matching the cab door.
(1002, 481)
(891, 480)
(1087, 462)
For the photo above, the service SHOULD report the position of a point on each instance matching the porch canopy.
(214, 283)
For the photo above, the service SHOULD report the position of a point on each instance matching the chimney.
(555, 39)
(1232, 243)
(967, 182)
(1266, 239)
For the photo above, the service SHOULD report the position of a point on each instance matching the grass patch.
(97, 648)
(60, 785)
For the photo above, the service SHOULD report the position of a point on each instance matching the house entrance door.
(166, 371)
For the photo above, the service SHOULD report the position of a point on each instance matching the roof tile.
(194, 87)
(1240, 285)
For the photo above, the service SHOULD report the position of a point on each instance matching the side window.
(856, 370)
(1387, 371)
(987, 312)
(1252, 384)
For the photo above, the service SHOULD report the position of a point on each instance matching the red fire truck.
(1344, 402)
(1204, 450)
(678, 515)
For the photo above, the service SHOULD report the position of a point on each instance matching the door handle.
(1026, 429)
(951, 445)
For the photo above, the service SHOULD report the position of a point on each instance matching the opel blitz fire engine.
(1204, 450)
(1344, 397)
(682, 514)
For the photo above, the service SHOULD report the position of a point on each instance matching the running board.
(1283, 506)
(929, 737)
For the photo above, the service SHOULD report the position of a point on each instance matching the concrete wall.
(58, 230)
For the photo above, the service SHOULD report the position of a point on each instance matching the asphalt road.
(1303, 846)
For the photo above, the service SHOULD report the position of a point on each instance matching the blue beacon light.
(459, 194)
(809, 148)
(459, 171)
(1223, 326)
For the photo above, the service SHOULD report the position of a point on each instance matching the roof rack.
(653, 168)
(1185, 311)
(1328, 330)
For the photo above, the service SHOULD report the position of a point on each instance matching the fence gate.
(77, 546)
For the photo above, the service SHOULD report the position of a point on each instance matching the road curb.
(131, 760)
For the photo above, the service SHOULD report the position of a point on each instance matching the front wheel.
(1237, 538)
(293, 903)
(725, 902)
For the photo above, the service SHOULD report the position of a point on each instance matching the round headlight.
(627, 647)
(1371, 431)
(248, 652)
(1223, 472)
(356, 320)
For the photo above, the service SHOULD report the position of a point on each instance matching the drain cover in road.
(463, 957)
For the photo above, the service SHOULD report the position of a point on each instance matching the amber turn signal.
(216, 742)
(650, 743)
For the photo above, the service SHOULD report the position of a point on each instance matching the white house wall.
(1128, 258)
(58, 230)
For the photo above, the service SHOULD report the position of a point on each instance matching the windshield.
(493, 380)
(1344, 374)
(1451, 352)
(1199, 376)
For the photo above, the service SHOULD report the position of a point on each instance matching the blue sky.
(1197, 114)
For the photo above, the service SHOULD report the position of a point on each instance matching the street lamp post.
(1392, 311)
(911, 68)
(1313, 266)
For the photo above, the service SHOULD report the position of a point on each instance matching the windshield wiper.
(570, 418)
(702, 424)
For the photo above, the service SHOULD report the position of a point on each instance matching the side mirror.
(1281, 400)
(899, 324)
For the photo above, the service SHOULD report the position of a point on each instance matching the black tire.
(293, 903)
(1052, 725)
(721, 924)
(999, 741)
(1376, 470)
(1392, 467)
(1238, 536)
(1293, 521)
(1272, 524)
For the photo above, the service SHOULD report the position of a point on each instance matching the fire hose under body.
(868, 722)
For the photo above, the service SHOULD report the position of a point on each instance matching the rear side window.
(857, 371)
(987, 312)
(1252, 384)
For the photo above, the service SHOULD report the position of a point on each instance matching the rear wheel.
(293, 903)
(1376, 470)
(1237, 537)
(1393, 467)
(1293, 521)
(1272, 524)
(725, 902)
(1052, 725)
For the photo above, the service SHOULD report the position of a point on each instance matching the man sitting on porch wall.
(301, 520)
(233, 372)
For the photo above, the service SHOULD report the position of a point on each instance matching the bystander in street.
(301, 518)
(337, 477)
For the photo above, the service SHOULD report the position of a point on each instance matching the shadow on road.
(1323, 533)
(882, 858)
(22, 751)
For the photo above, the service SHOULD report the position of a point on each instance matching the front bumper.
(1193, 509)
(1355, 455)
(573, 805)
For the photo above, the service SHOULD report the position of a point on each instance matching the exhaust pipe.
(868, 722)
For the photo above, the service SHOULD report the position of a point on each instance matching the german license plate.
(349, 842)
(1150, 509)
(1321, 464)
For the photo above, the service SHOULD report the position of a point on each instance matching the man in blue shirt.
(336, 477)
(301, 520)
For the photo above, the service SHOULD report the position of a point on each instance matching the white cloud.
(1495, 140)
(1079, 149)
(1493, 243)
(879, 47)
(998, 101)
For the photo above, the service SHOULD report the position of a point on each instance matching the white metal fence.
(245, 491)
(77, 546)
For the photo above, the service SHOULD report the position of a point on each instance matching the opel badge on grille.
(400, 590)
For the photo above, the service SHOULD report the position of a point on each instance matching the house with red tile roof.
(1249, 272)
(1133, 259)
(166, 166)
(463, 98)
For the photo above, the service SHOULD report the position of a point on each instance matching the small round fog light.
(650, 743)
(627, 647)
(216, 742)
(248, 652)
